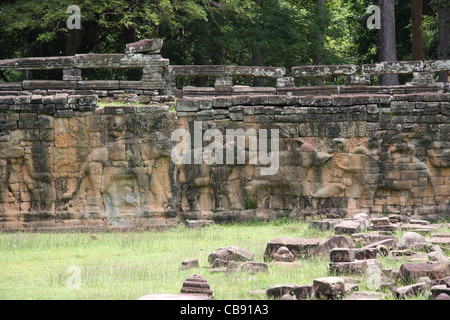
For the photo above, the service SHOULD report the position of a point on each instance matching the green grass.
(130, 265)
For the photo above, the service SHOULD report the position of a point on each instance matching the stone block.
(342, 255)
(329, 288)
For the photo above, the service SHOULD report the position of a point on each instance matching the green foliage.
(242, 32)
(250, 203)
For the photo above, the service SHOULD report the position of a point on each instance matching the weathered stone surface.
(410, 272)
(300, 292)
(440, 289)
(298, 247)
(343, 149)
(414, 289)
(326, 224)
(283, 254)
(188, 264)
(335, 241)
(410, 238)
(231, 253)
(437, 254)
(365, 254)
(196, 284)
(329, 288)
(442, 297)
(197, 224)
(342, 255)
(144, 46)
(348, 227)
(390, 243)
(355, 267)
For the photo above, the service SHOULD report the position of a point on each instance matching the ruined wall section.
(67, 163)
(339, 155)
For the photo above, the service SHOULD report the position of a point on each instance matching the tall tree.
(417, 33)
(319, 8)
(387, 43)
(444, 37)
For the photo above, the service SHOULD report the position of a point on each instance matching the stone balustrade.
(159, 77)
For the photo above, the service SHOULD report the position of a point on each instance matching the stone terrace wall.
(338, 154)
(66, 163)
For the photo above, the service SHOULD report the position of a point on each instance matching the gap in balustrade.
(194, 82)
(304, 82)
(14, 75)
(112, 74)
(334, 81)
(20, 75)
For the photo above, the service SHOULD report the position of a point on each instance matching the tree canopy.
(243, 32)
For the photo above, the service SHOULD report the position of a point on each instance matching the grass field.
(130, 265)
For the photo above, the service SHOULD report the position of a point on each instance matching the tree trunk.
(387, 40)
(417, 34)
(257, 61)
(444, 39)
(318, 52)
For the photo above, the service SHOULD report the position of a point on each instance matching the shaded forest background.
(283, 33)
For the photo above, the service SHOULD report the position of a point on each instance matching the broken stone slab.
(380, 221)
(420, 222)
(348, 227)
(189, 264)
(437, 239)
(355, 267)
(198, 70)
(372, 237)
(393, 67)
(335, 241)
(439, 289)
(442, 235)
(231, 253)
(395, 218)
(196, 284)
(437, 254)
(365, 254)
(342, 255)
(297, 246)
(328, 288)
(385, 228)
(390, 243)
(350, 287)
(326, 224)
(300, 292)
(437, 270)
(411, 237)
(413, 289)
(145, 46)
(323, 71)
(401, 253)
(364, 295)
(419, 227)
(250, 267)
(197, 224)
(283, 254)
(255, 71)
(443, 297)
